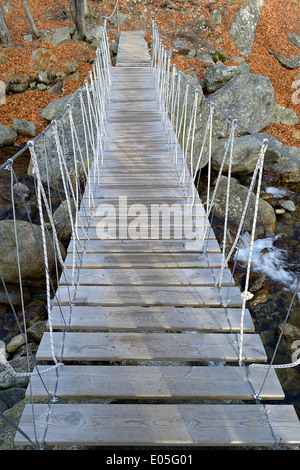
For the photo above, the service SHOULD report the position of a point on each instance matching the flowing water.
(278, 257)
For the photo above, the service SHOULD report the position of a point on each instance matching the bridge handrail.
(161, 63)
(156, 36)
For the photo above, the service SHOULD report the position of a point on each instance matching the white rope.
(246, 295)
(94, 120)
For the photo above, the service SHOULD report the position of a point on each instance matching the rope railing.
(189, 116)
(61, 159)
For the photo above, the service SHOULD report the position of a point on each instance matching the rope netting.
(62, 158)
(192, 118)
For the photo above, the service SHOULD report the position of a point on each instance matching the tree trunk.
(4, 32)
(32, 24)
(78, 12)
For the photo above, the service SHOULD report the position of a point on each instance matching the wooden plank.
(99, 318)
(162, 425)
(93, 234)
(153, 260)
(152, 277)
(91, 346)
(183, 202)
(192, 296)
(122, 246)
(144, 382)
(140, 192)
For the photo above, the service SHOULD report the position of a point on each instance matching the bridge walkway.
(148, 328)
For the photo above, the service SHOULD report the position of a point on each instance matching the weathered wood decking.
(147, 322)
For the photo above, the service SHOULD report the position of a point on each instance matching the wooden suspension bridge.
(148, 327)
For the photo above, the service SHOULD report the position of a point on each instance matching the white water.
(272, 261)
(277, 192)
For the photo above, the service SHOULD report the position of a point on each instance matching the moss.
(219, 56)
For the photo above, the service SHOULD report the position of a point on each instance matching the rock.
(7, 432)
(56, 89)
(8, 136)
(279, 211)
(286, 169)
(38, 54)
(71, 67)
(61, 36)
(7, 8)
(122, 19)
(260, 297)
(7, 380)
(31, 258)
(217, 75)
(76, 36)
(22, 191)
(257, 281)
(18, 87)
(35, 311)
(191, 54)
(43, 77)
(249, 98)
(194, 80)
(243, 29)
(55, 108)
(284, 115)
(75, 77)
(180, 44)
(52, 111)
(36, 331)
(10, 397)
(266, 220)
(15, 343)
(287, 205)
(287, 62)
(206, 58)
(61, 218)
(15, 296)
(294, 39)
(25, 128)
(41, 86)
(245, 153)
(28, 38)
(95, 34)
(217, 17)
(3, 350)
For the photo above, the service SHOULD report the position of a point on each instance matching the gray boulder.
(43, 77)
(95, 34)
(284, 115)
(18, 87)
(25, 128)
(245, 153)
(290, 63)
(217, 75)
(8, 136)
(55, 108)
(266, 219)
(31, 258)
(243, 29)
(49, 164)
(249, 98)
(61, 219)
(286, 169)
(294, 39)
(61, 36)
